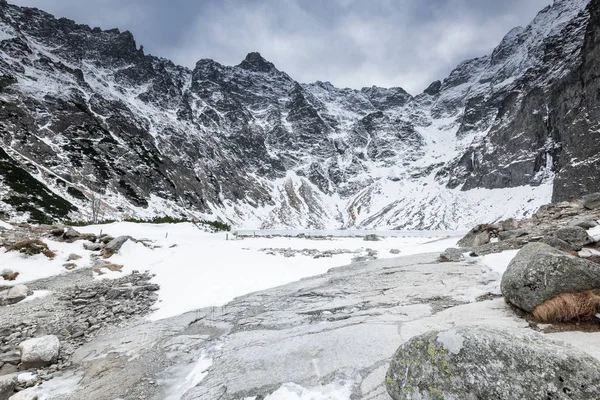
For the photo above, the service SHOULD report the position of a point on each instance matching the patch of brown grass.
(110, 267)
(582, 306)
(10, 276)
(31, 247)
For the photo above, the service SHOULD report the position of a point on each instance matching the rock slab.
(491, 363)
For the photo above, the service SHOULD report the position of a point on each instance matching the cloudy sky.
(352, 43)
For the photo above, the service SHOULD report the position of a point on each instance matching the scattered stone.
(73, 257)
(591, 201)
(472, 363)
(24, 395)
(114, 246)
(584, 223)
(12, 357)
(39, 352)
(71, 234)
(478, 236)
(452, 255)
(510, 234)
(540, 272)
(7, 386)
(371, 238)
(93, 246)
(574, 235)
(510, 224)
(69, 266)
(557, 243)
(13, 295)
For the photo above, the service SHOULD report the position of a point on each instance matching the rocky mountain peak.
(84, 111)
(256, 63)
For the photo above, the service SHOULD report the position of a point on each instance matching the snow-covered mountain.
(86, 117)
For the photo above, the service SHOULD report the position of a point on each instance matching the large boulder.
(491, 363)
(540, 272)
(13, 295)
(39, 352)
(574, 235)
(591, 201)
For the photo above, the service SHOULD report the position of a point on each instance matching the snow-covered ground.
(197, 269)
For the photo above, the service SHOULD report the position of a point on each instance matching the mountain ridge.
(86, 111)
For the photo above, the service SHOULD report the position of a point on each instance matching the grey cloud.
(352, 43)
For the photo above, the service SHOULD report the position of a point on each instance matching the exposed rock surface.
(539, 273)
(486, 363)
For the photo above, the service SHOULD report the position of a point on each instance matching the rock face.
(91, 123)
(39, 352)
(539, 273)
(488, 363)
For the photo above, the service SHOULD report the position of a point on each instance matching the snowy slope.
(90, 116)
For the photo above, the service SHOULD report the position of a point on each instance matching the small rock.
(92, 246)
(115, 245)
(574, 235)
(451, 255)
(510, 224)
(7, 385)
(394, 251)
(39, 352)
(13, 295)
(69, 266)
(73, 257)
(371, 238)
(24, 395)
(591, 201)
(12, 357)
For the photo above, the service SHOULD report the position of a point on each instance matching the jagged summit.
(255, 62)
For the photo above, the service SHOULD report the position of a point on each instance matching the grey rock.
(7, 386)
(115, 244)
(540, 272)
(478, 236)
(491, 363)
(13, 295)
(12, 357)
(557, 243)
(452, 255)
(73, 257)
(371, 238)
(591, 201)
(39, 352)
(71, 234)
(24, 395)
(574, 235)
(509, 234)
(509, 224)
(394, 251)
(584, 223)
(93, 246)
